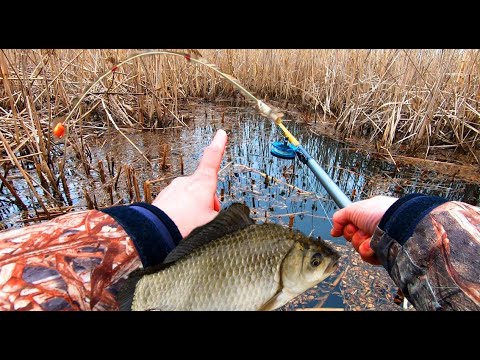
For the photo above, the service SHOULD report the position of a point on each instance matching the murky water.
(291, 196)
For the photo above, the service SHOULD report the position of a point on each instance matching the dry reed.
(408, 97)
(413, 99)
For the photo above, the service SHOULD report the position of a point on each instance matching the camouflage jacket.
(74, 262)
(431, 249)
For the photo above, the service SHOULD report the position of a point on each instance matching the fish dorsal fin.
(234, 218)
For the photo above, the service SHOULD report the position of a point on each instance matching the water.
(358, 175)
(295, 194)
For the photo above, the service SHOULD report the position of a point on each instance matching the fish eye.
(316, 259)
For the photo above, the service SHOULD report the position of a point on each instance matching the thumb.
(212, 155)
(340, 219)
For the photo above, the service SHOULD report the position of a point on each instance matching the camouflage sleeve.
(74, 262)
(431, 249)
(68, 263)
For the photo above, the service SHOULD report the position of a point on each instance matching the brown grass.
(408, 97)
(413, 99)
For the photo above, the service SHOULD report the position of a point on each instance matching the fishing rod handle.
(333, 190)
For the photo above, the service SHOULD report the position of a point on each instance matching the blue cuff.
(154, 234)
(401, 219)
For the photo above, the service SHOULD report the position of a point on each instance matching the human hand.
(358, 221)
(191, 201)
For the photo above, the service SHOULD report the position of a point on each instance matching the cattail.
(352, 196)
(18, 200)
(135, 185)
(164, 157)
(147, 191)
(87, 197)
(101, 171)
(109, 167)
(181, 165)
(43, 181)
(290, 221)
(128, 174)
(110, 193)
(66, 190)
(117, 177)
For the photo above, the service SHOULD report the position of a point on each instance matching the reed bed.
(408, 99)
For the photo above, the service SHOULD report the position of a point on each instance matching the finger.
(345, 231)
(358, 238)
(367, 253)
(365, 250)
(336, 233)
(212, 156)
(340, 219)
(339, 222)
(371, 260)
(216, 203)
(349, 231)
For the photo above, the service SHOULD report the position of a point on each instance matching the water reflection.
(299, 192)
(291, 188)
(277, 190)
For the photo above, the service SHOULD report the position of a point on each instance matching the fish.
(231, 263)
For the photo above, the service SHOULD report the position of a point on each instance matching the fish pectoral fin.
(279, 299)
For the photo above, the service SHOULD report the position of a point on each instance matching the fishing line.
(325, 212)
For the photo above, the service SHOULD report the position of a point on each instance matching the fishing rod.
(287, 150)
(291, 147)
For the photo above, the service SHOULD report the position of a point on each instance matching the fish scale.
(220, 276)
(231, 263)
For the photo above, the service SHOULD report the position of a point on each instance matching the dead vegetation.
(414, 99)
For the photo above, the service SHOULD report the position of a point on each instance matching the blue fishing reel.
(283, 149)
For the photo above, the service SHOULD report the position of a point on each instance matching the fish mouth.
(332, 267)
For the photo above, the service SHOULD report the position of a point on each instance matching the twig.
(322, 301)
(25, 175)
(389, 154)
(225, 167)
(18, 200)
(340, 277)
(120, 131)
(271, 178)
(21, 157)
